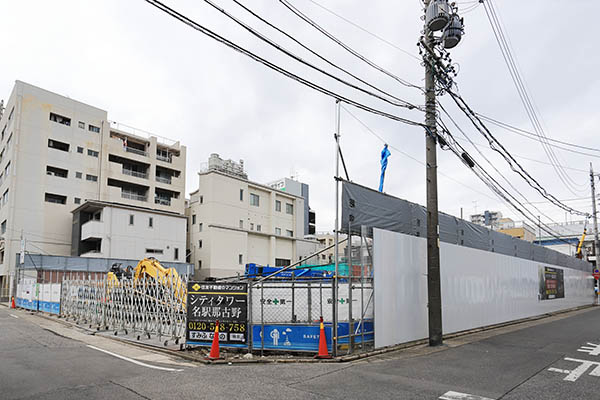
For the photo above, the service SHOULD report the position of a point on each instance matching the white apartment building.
(233, 221)
(56, 153)
(292, 186)
(110, 230)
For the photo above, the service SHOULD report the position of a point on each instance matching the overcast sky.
(153, 72)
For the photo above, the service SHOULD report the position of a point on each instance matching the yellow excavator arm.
(579, 253)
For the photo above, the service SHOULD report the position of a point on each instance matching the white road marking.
(592, 349)
(134, 361)
(14, 316)
(573, 375)
(461, 396)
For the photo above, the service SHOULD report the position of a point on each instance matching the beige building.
(233, 221)
(56, 153)
(327, 239)
(518, 229)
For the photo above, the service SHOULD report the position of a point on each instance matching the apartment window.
(150, 222)
(77, 200)
(241, 224)
(194, 219)
(278, 231)
(9, 142)
(154, 251)
(201, 199)
(93, 128)
(55, 144)
(199, 244)
(199, 264)
(80, 149)
(78, 175)
(5, 197)
(54, 171)
(81, 125)
(131, 219)
(240, 259)
(258, 228)
(60, 119)
(3, 227)
(176, 255)
(254, 200)
(289, 233)
(92, 153)
(289, 208)
(251, 226)
(200, 227)
(3, 131)
(277, 205)
(12, 111)
(241, 194)
(92, 178)
(7, 170)
(54, 198)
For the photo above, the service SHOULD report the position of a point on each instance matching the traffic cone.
(323, 353)
(214, 349)
(12, 305)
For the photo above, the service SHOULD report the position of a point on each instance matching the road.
(554, 358)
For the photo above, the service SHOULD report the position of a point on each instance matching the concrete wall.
(479, 288)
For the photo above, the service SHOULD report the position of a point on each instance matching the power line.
(371, 131)
(383, 40)
(332, 64)
(356, 54)
(528, 104)
(529, 135)
(196, 26)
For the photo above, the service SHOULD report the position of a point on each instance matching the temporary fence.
(144, 306)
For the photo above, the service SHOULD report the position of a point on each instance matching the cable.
(404, 102)
(312, 23)
(528, 135)
(371, 131)
(524, 95)
(273, 66)
(354, 24)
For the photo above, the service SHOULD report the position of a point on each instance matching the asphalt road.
(549, 359)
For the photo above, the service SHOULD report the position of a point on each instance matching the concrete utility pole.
(594, 214)
(433, 243)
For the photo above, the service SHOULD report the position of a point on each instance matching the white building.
(109, 230)
(296, 188)
(56, 153)
(233, 221)
(490, 219)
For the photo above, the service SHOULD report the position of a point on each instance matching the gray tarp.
(368, 207)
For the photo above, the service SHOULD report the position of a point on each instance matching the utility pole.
(594, 214)
(434, 295)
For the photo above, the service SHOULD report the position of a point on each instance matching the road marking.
(574, 374)
(14, 316)
(592, 349)
(134, 361)
(461, 396)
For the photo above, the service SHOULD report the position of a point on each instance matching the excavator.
(148, 268)
(579, 252)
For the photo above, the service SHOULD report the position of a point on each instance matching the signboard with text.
(209, 302)
(552, 283)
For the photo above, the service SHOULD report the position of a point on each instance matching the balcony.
(137, 174)
(164, 158)
(92, 230)
(162, 201)
(134, 196)
(163, 179)
(136, 151)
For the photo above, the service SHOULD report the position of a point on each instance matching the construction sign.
(209, 302)
(552, 283)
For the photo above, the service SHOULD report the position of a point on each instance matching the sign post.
(208, 302)
(596, 274)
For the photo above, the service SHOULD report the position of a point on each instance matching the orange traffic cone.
(214, 349)
(323, 353)
(12, 305)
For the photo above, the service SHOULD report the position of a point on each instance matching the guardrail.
(136, 151)
(133, 196)
(135, 173)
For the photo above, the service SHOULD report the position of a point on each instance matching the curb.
(339, 359)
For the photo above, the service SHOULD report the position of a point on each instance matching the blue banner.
(385, 154)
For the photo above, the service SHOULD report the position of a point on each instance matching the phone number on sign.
(210, 326)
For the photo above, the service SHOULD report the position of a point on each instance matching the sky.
(152, 72)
